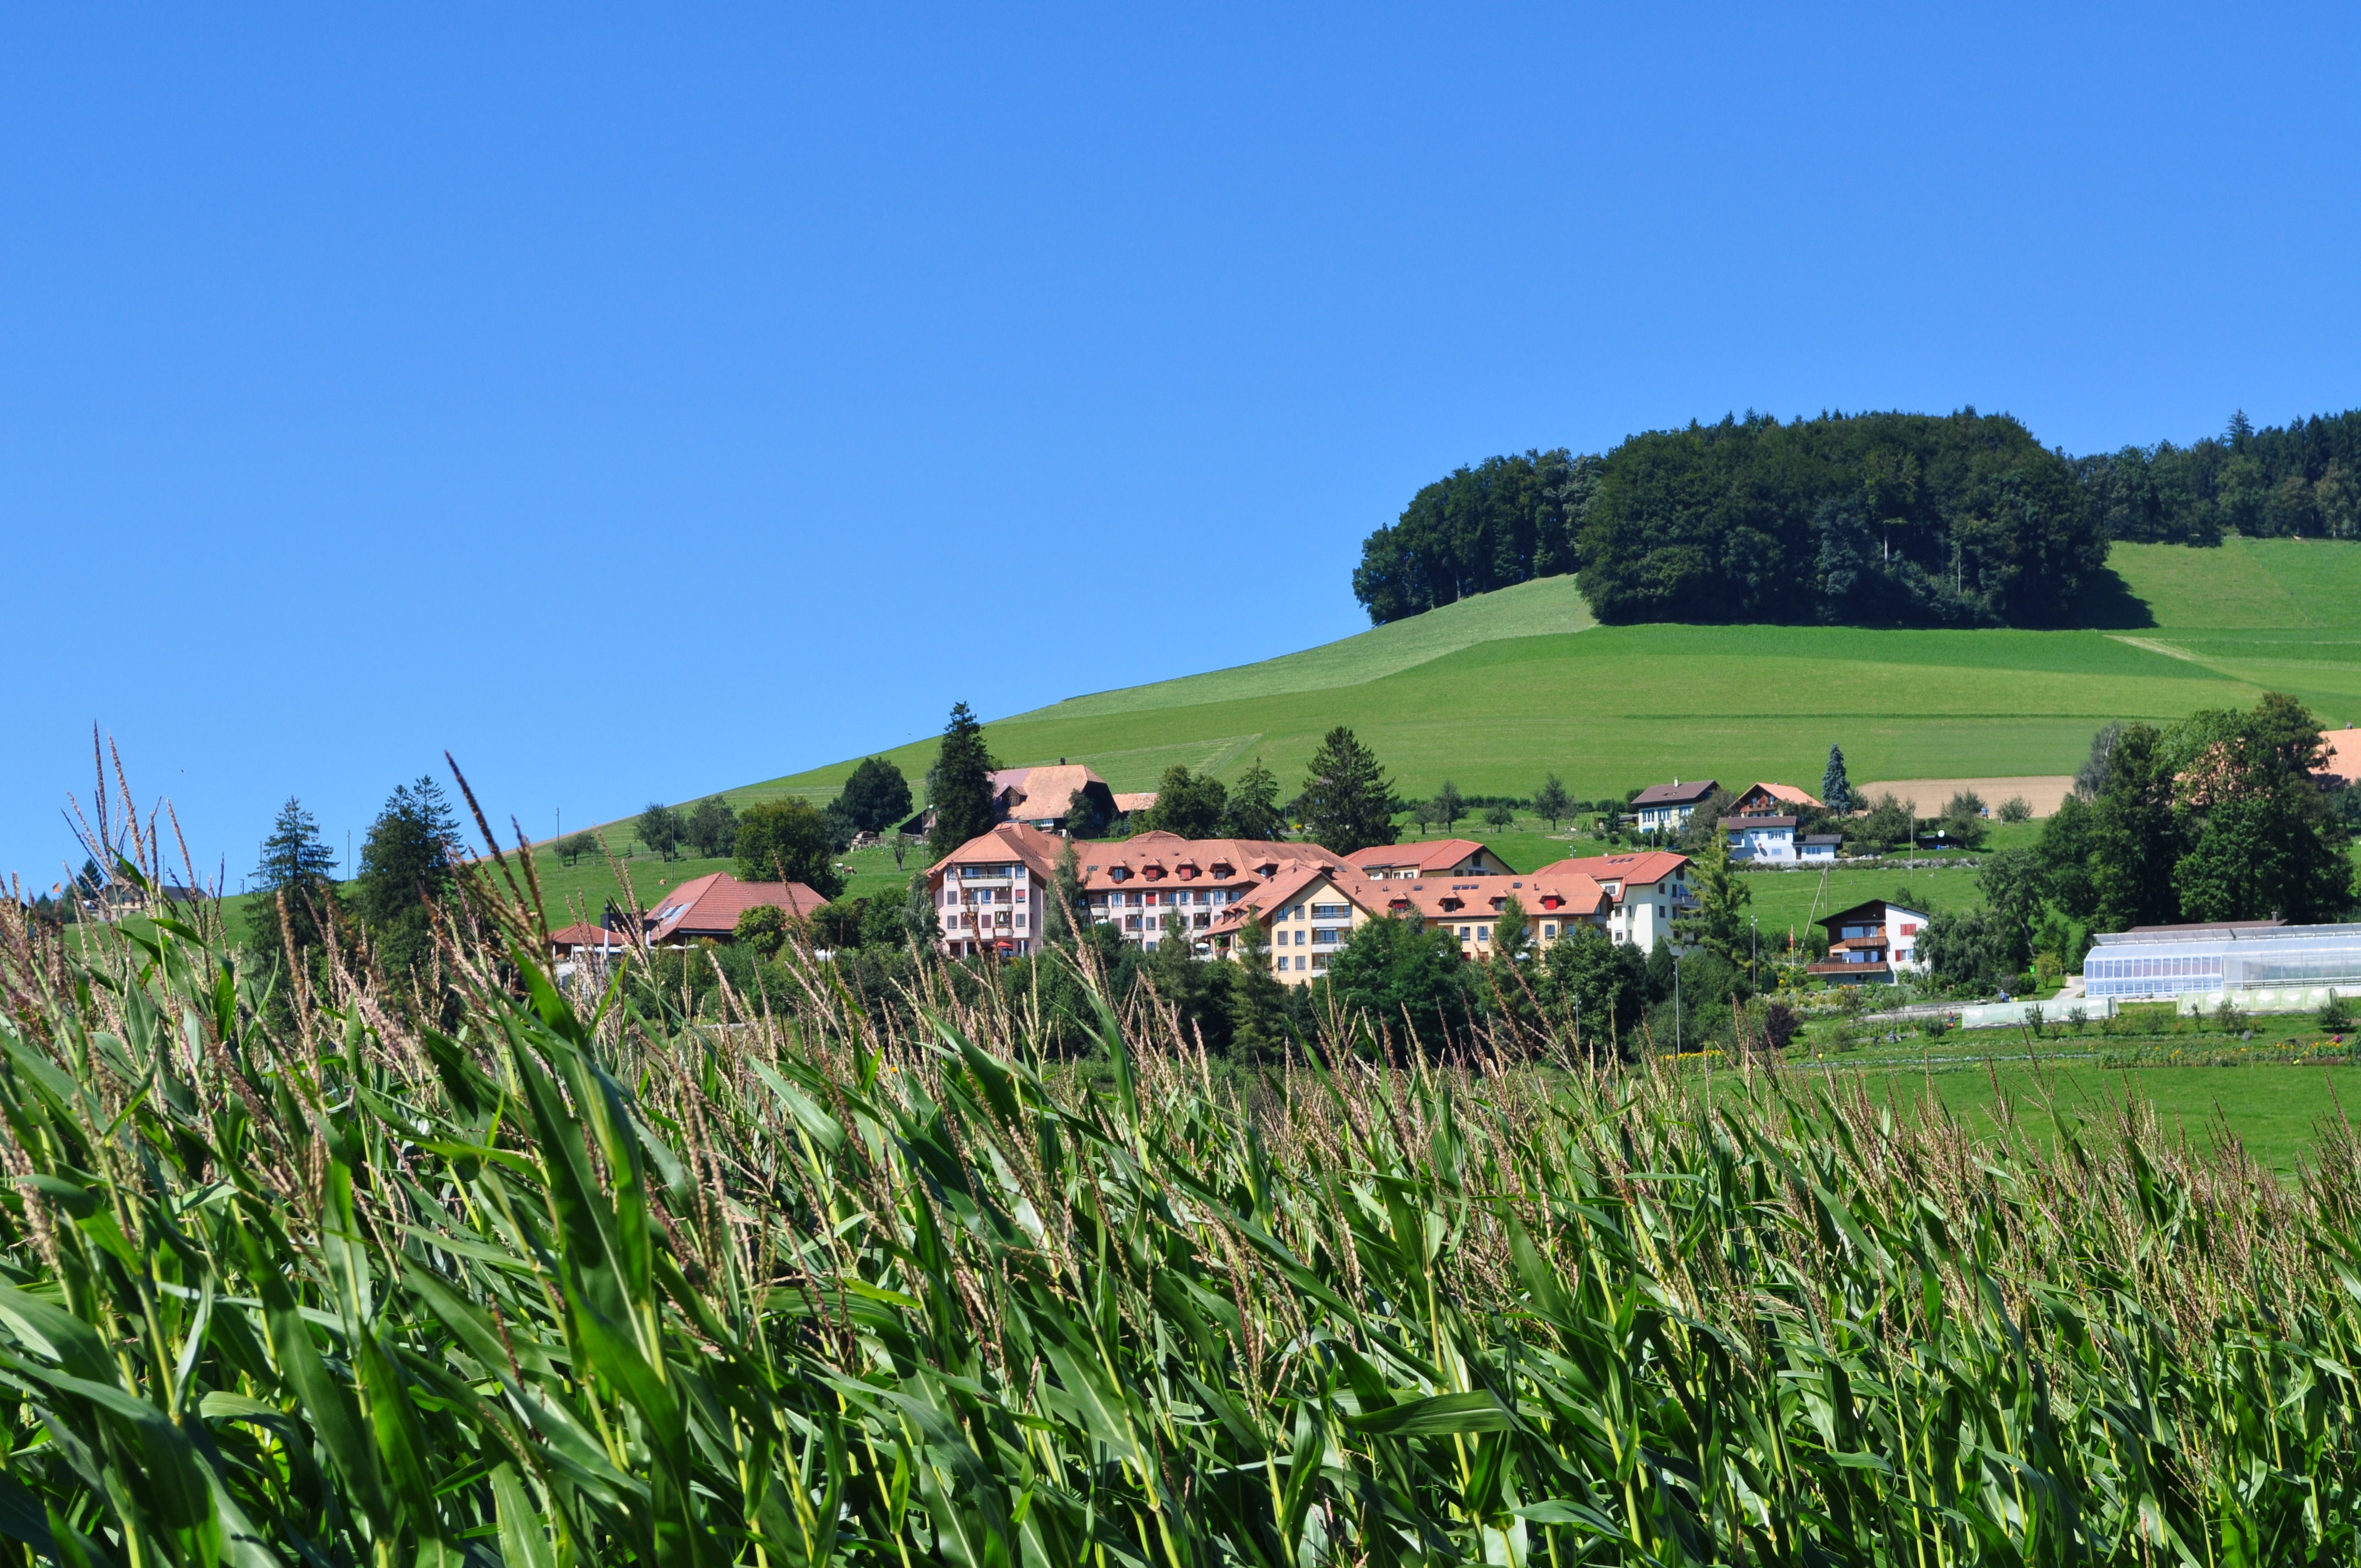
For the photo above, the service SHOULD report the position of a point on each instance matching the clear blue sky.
(643, 402)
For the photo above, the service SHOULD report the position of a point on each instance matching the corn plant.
(569, 1283)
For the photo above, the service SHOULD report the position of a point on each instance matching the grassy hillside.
(1496, 691)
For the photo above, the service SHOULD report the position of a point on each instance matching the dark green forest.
(1887, 518)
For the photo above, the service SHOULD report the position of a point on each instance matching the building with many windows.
(1305, 912)
(2149, 963)
(1872, 944)
(1139, 884)
(1650, 887)
(1666, 808)
(990, 891)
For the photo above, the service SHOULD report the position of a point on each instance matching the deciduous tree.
(1552, 801)
(1190, 805)
(787, 841)
(877, 795)
(1450, 805)
(712, 827)
(660, 828)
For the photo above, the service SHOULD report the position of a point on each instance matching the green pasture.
(2276, 1111)
(1497, 690)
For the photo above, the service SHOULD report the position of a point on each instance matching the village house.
(1651, 888)
(707, 908)
(1872, 944)
(1039, 796)
(1440, 857)
(1772, 800)
(1307, 911)
(1819, 848)
(1666, 808)
(1768, 840)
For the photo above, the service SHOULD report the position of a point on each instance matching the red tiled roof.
(710, 905)
(1156, 857)
(1134, 800)
(1033, 794)
(1008, 842)
(1434, 899)
(1643, 868)
(1788, 793)
(1739, 824)
(585, 935)
(1440, 855)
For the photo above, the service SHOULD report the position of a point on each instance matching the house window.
(1298, 942)
(1483, 933)
(1318, 963)
(1327, 912)
(1549, 928)
(1323, 935)
(1298, 960)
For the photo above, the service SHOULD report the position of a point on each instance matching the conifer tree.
(300, 869)
(1253, 809)
(1348, 802)
(408, 864)
(1835, 790)
(960, 787)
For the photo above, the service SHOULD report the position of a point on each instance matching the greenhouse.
(2160, 962)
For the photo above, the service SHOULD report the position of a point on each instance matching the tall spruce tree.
(960, 787)
(1836, 789)
(1348, 802)
(408, 864)
(1253, 809)
(299, 871)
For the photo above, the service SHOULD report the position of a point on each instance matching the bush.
(2336, 1014)
(2016, 809)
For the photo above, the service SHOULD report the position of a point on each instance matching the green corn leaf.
(1437, 1415)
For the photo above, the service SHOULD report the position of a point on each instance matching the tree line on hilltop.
(1869, 519)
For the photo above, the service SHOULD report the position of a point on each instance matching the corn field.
(563, 1283)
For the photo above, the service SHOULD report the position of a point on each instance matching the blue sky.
(639, 404)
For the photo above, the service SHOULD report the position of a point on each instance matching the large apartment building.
(1306, 912)
(991, 894)
(1136, 884)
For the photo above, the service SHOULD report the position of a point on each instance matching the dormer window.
(1120, 873)
(1186, 873)
(1222, 869)
(1153, 873)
